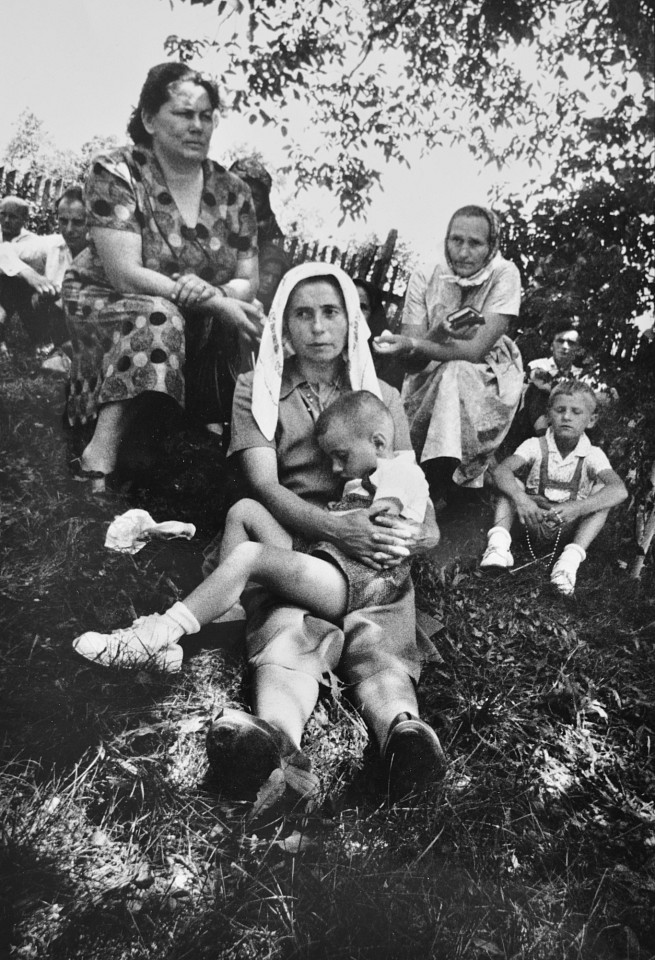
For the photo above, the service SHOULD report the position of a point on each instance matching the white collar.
(581, 449)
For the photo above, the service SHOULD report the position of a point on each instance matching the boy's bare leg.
(249, 520)
(316, 584)
(505, 513)
(284, 698)
(589, 528)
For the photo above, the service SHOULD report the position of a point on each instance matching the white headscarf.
(270, 362)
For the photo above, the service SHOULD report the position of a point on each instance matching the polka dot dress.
(125, 344)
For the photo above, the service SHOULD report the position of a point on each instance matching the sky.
(78, 65)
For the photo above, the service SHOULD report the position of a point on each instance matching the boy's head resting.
(355, 431)
(571, 409)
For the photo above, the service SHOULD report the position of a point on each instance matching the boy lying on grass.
(357, 434)
(568, 493)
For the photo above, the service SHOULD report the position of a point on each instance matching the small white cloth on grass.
(130, 532)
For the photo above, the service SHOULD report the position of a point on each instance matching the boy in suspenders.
(568, 490)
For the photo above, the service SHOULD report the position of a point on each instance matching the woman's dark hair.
(72, 194)
(155, 93)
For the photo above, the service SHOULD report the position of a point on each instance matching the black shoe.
(413, 756)
(243, 751)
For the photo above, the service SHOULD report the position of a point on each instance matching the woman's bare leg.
(381, 698)
(285, 698)
(101, 453)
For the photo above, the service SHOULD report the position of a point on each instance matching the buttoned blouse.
(303, 468)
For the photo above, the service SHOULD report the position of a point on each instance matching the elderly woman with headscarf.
(465, 374)
(313, 349)
(172, 257)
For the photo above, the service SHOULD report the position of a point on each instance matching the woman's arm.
(354, 533)
(245, 282)
(122, 257)
(473, 350)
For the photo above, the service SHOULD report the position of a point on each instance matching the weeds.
(116, 843)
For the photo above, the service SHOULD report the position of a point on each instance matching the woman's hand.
(393, 344)
(191, 291)
(246, 318)
(399, 533)
(359, 537)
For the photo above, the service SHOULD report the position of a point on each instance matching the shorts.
(366, 587)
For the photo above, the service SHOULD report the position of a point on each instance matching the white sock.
(572, 556)
(499, 538)
(181, 614)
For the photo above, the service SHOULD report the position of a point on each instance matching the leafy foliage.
(490, 73)
(31, 152)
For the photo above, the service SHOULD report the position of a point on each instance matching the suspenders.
(572, 485)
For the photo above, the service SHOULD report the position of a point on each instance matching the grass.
(116, 843)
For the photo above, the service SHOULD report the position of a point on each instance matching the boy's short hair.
(570, 387)
(361, 409)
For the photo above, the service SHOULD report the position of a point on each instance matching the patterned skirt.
(126, 344)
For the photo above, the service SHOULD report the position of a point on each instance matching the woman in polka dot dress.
(170, 270)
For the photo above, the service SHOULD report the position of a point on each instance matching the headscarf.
(252, 171)
(493, 221)
(267, 379)
(250, 168)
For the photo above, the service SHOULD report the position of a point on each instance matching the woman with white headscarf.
(465, 375)
(313, 349)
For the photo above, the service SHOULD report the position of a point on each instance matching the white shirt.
(562, 468)
(49, 255)
(401, 479)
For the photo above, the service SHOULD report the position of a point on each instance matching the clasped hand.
(192, 292)
(533, 516)
(377, 539)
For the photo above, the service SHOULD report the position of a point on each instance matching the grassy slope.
(116, 845)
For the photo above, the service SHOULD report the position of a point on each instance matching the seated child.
(357, 433)
(569, 490)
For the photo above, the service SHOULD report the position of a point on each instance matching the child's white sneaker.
(496, 557)
(563, 579)
(150, 643)
(565, 571)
